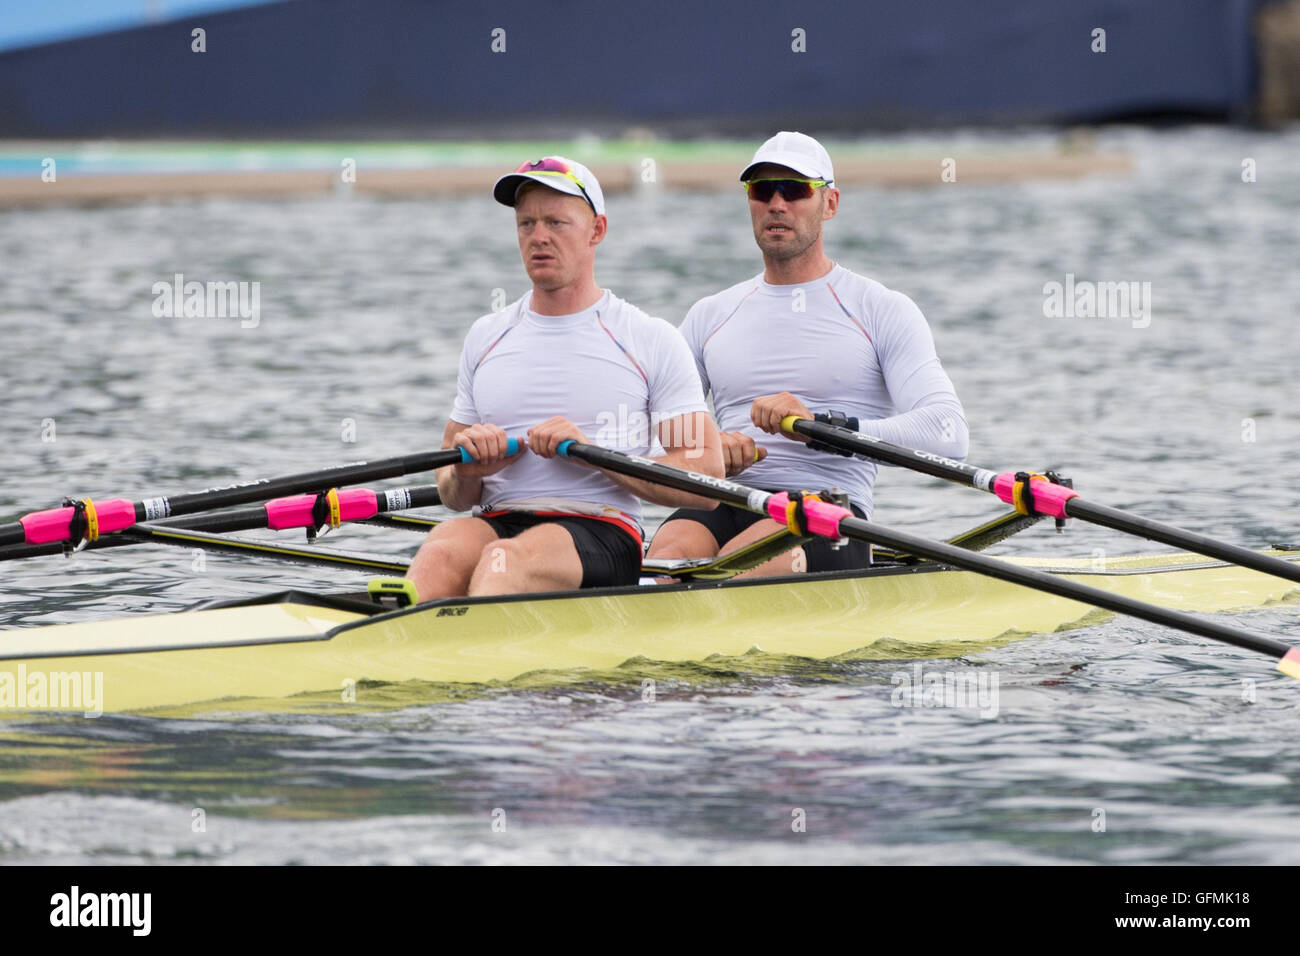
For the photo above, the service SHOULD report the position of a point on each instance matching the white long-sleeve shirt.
(842, 342)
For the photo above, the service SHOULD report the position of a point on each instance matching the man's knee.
(447, 553)
(683, 539)
(497, 556)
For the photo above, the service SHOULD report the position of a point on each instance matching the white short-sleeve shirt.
(612, 370)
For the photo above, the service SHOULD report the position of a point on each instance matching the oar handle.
(512, 448)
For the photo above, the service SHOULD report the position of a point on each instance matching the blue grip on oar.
(512, 446)
(563, 447)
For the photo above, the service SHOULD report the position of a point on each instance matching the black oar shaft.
(309, 481)
(224, 522)
(754, 500)
(179, 537)
(666, 475)
(1180, 538)
(927, 463)
(1076, 507)
(165, 508)
(1060, 586)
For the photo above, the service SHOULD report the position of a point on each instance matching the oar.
(832, 521)
(299, 511)
(1038, 495)
(86, 519)
(159, 534)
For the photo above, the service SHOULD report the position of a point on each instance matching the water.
(1192, 419)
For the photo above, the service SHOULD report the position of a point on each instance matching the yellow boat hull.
(276, 651)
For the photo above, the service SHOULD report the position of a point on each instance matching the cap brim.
(507, 186)
(789, 162)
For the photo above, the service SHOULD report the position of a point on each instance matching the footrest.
(394, 592)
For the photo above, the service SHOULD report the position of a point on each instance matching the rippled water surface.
(1192, 419)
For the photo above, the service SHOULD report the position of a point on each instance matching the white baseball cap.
(797, 151)
(562, 175)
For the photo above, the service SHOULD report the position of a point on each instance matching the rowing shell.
(290, 644)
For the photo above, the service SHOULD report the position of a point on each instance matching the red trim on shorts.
(616, 522)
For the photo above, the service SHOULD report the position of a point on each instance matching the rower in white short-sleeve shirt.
(615, 372)
(806, 337)
(566, 361)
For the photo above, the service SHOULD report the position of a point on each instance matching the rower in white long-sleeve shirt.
(806, 337)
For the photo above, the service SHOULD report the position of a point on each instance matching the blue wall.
(351, 67)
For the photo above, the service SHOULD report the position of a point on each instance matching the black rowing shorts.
(726, 521)
(610, 555)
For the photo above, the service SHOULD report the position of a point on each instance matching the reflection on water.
(709, 765)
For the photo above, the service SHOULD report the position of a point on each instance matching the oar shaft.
(280, 514)
(53, 525)
(158, 534)
(869, 446)
(1180, 538)
(1062, 587)
(666, 475)
(309, 481)
(1051, 499)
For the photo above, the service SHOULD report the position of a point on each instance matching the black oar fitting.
(839, 420)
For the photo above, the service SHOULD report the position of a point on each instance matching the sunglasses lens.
(791, 189)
